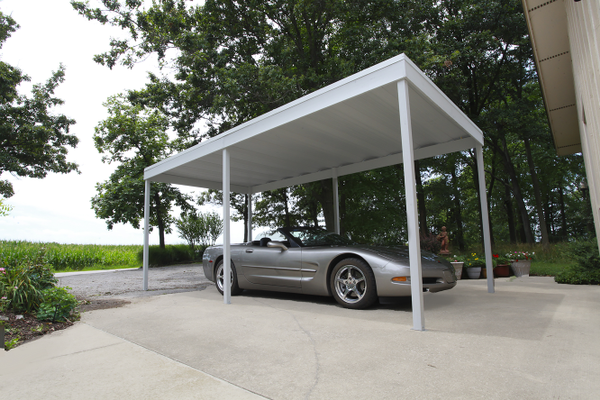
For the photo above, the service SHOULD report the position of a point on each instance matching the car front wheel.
(219, 275)
(353, 284)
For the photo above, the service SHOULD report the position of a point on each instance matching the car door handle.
(249, 251)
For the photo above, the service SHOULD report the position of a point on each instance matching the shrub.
(21, 285)
(576, 277)
(57, 305)
(174, 254)
(199, 228)
(587, 269)
(21, 291)
(430, 243)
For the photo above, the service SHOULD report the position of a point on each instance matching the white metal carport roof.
(384, 115)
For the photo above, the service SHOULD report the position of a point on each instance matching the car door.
(272, 266)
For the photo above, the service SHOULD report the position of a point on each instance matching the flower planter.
(474, 272)
(502, 271)
(521, 267)
(458, 267)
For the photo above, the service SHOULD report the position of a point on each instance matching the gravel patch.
(98, 290)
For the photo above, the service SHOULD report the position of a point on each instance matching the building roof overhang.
(548, 29)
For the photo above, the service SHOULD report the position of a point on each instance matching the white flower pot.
(474, 272)
(458, 266)
(521, 267)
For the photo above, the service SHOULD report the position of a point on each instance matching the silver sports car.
(314, 261)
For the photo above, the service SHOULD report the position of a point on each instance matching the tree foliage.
(33, 140)
(233, 61)
(199, 228)
(5, 208)
(134, 138)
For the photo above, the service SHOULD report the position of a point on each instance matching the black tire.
(235, 289)
(353, 284)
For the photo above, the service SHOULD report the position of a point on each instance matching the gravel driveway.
(100, 289)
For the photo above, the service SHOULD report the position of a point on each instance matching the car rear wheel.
(353, 284)
(219, 275)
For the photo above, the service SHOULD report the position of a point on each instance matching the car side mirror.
(282, 246)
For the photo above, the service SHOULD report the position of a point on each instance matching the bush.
(57, 304)
(20, 289)
(575, 277)
(21, 284)
(430, 243)
(587, 269)
(174, 254)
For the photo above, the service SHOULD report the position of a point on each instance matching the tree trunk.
(284, 194)
(537, 196)
(160, 222)
(516, 191)
(342, 213)
(458, 212)
(563, 216)
(421, 200)
(326, 200)
(490, 190)
(510, 216)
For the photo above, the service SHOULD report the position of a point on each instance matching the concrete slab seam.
(307, 333)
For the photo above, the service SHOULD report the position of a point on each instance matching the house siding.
(583, 19)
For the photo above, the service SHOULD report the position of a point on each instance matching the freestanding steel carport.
(388, 114)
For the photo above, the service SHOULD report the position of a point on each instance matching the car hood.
(392, 253)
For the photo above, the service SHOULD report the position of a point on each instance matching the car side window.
(274, 237)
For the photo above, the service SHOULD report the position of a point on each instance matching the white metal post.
(249, 217)
(226, 229)
(487, 242)
(336, 203)
(146, 251)
(414, 246)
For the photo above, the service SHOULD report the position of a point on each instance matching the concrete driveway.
(532, 339)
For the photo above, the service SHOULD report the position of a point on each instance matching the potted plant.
(473, 264)
(501, 265)
(520, 262)
(457, 262)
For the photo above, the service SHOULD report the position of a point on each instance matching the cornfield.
(69, 256)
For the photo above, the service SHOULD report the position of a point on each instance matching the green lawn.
(542, 268)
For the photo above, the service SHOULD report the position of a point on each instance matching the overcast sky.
(57, 208)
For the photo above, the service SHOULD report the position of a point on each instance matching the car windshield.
(309, 237)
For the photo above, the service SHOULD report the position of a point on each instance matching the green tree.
(33, 140)
(233, 61)
(199, 228)
(238, 203)
(134, 138)
(238, 60)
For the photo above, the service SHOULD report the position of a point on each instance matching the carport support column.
(250, 217)
(336, 203)
(414, 246)
(226, 228)
(485, 221)
(146, 251)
